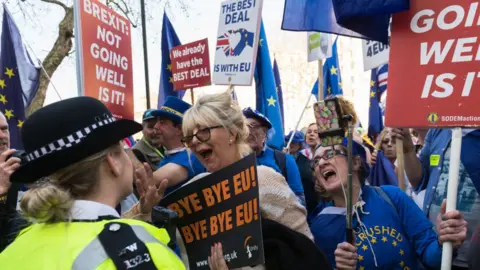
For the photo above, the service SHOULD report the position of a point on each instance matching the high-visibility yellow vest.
(75, 245)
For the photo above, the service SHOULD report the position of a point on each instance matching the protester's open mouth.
(3, 145)
(328, 175)
(206, 154)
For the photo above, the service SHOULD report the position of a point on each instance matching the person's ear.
(233, 136)
(113, 164)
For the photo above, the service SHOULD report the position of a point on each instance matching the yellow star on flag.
(246, 42)
(20, 124)
(384, 239)
(402, 264)
(402, 252)
(394, 243)
(372, 94)
(9, 114)
(329, 90)
(364, 247)
(9, 72)
(362, 268)
(333, 70)
(2, 84)
(169, 67)
(340, 84)
(3, 99)
(246, 35)
(171, 80)
(360, 257)
(260, 42)
(372, 83)
(271, 101)
(374, 240)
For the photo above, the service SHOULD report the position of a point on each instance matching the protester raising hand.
(451, 226)
(150, 193)
(216, 260)
(346, 256)
(7, 167)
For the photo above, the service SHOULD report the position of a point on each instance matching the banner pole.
(145, 52)
(299, 120)
(192, 96)
(400, 165)
(320, 80)
(452, 190)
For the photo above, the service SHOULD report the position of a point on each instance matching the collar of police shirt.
(90, 210)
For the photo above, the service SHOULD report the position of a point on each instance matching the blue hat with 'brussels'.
(298, 137)
(173, 109)
(251, 113)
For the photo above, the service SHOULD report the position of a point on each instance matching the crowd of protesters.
(78, 171)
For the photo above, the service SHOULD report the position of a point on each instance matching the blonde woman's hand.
(216, 261)
(150, 194)
(346, 256)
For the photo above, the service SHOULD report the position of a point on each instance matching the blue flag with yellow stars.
(375, 119)
(12, 97)
(332, 80)
(169, 40)
(267, 98)
(278, 83)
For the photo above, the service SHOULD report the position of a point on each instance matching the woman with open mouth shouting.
(391, 232)
(215, 131)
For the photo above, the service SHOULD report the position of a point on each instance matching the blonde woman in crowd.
(77, 145)
(215, 131)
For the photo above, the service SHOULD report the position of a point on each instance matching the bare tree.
(64, 43)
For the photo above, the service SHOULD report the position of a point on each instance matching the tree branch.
(56, 2)
(125, 10)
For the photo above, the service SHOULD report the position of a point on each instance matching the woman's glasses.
(329, 154)
(202, 135)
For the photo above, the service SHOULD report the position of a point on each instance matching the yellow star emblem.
(402, 264)
(171, 80)
(20, 124)
(9, 114)
(271, 101)
(384, 239)
(329, 90)
(246, 35)
(362, 268)
(169, 67)
(372, 83)
(2, 84)
(402, 252)
(374, 240)
(246, 42)
(360, 257)
(340, 84)
(372, 94)
(333, 70)
(3, 99)
(260, 42)
(364, 247)
(9, 72)
(394, 243)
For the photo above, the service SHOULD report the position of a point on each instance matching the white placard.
(319, 46)
(374, 54)
(237, 42)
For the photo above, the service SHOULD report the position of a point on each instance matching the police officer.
(74, 146)
(284, 164)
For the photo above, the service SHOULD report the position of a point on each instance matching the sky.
(39, 26)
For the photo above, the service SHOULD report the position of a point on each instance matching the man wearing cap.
(178, 166)
(149, 146)
(282, 163)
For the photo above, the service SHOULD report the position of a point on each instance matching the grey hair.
(218, 109)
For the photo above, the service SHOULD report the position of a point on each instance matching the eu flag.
(278, 83)
(169, 40)
(320, 16)
(375, 119)
(382, 172)
(12, 97)
(332, 80)
(267, 98)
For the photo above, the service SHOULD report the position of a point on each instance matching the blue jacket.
(436, 143)
(293, 178)
(396, 236)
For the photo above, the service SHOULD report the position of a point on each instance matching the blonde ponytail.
(47, 203)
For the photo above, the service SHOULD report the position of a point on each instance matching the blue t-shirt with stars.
(401, 238)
